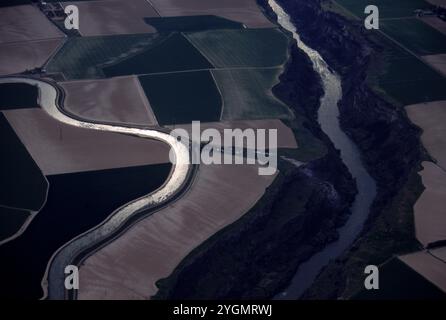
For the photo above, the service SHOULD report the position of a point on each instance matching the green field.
(402, 77)
(11, 220)
(83, 57)
(183, 97)
(247, 94)
(387, 8)
(415, 35)
(22, 183)
(242, 48)
(173, 54)
(192, 23)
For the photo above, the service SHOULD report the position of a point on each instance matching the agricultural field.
(174, 53)
(25, 23)
(116, 100)
(76, 202)
(403, 75)
(107, 18)
(58, 148)
(23, 56)
(247, 94)
(430, 218)
(429, 266)
(163, 239)
(84, 57)
(415, 35)
(17, 95)
(399, 281)
(437, 61)
(23, 185)
(431, 118)
(246, 12)
(11, 221)
(183, 97)
(242, 48)
(191, 23)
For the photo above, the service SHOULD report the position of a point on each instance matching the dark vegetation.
(76, 202)
(17, 95)
(22, 183)
(183, 97)
(11, 220)
(175, 53)
(192, 23)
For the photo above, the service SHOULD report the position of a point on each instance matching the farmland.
(11, 220)
(22, 56)
(117, 100)
(183, 97)
(242, 48)
(416, 35)
(175, 53)
(162, 240)
(192, 23)
(247, 94)
(17, 95)
(76, 202)
(82, 57)
(399, 281)
(106, 18)
(246, 12)
(23, 185)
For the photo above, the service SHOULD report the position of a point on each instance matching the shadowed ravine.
(328, 117)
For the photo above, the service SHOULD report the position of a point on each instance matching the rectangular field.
(415, 35)
(84, 57)
(107, 18)
(22, 183)
(244, 11)
(174, 53)
(183, 97)
(242, 48)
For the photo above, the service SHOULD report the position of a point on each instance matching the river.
(328, 117)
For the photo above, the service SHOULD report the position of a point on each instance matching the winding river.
(328, 116)
(49, 99)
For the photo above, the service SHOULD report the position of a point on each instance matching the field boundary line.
(393, 40)
(210, 69)
(221, 95)
(154, 8)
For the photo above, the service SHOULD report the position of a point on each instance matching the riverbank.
(389, 144)
(299, 213)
